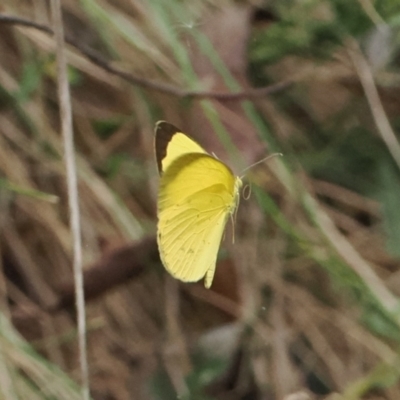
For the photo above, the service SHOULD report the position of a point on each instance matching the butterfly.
(197, 195)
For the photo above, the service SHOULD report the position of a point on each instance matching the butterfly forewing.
(189, 175)
(171, 144)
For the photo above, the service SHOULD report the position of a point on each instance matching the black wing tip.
(164, 132)
(165, 128)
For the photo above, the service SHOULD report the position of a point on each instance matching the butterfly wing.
(196, 196)
(170, 144)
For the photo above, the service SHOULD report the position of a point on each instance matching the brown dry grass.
(306, 301)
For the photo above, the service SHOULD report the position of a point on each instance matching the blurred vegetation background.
(304, 304)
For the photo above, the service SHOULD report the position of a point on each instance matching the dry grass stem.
(371, 93)
(72, 184)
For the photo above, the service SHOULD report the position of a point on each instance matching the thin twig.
(371, 93)
(68, 138)
(97, 59)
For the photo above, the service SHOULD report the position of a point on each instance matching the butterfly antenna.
(259, 162)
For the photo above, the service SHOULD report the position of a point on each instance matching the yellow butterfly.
(197, 195)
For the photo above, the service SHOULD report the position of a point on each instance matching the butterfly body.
(197, 195)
